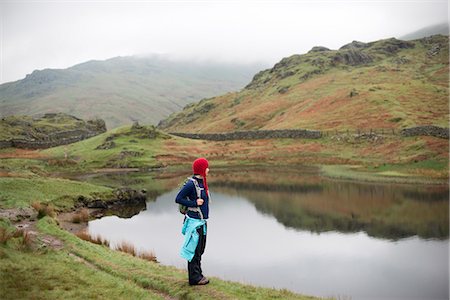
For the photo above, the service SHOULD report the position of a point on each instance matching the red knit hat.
(199, 168)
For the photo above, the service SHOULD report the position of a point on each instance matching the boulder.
(352, 57)
(318, 49)
(354, 45)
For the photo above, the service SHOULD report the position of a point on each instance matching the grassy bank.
(21, 192)
(78, 270)
(414, 159)
(97, 271)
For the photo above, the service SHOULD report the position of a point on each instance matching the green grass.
(91, 269)
(88, 157)
(44, 273)
(21, 192)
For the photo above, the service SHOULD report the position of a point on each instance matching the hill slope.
(427, 31)
(383, 84)
(46, 131)
(123, 89)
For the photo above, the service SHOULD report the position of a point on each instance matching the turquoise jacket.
(191, 237)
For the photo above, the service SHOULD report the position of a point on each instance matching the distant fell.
(442, 29)
(122, 89)
(390, 84)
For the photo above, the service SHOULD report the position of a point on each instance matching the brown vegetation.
(84, 235)
(81, 216)
(44, 209)
(148, 255)
(5, 235)
(127, 247)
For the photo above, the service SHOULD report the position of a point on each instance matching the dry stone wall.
(304, 134)
(429, 130)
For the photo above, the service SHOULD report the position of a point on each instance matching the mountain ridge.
(382, 84)
(121, 90)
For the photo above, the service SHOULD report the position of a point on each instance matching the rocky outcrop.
(47, 131)
(121, 196)
(318, 49)
(391, 46)
(354, 45)
(352, 57)
(428, 130)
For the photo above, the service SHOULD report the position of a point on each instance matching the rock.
(352, 57)
(391, 46)
(124, 154)
(353, 93)
(318, 62)
(318, 49)
(97, 125)
(286, 74)
(354, 45)
(283, 89)
(106, 145)
(400, 60)
(136, 126)
(434, 50)
(97, 204)
(310, 74)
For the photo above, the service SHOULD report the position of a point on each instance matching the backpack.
(184, 209)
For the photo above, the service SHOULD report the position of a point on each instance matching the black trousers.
(195, 265)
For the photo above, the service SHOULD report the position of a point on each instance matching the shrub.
(5, 235)
(44, 209)
(81, 216)
(126, 247)
(26, 241)
(148, 255)
(84, 235)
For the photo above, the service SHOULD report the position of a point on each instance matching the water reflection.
(380, 211)
(246, 245)
(298, 231)
(302, 200)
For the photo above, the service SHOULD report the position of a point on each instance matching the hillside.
(46, 131)
(122, 89)
(427, 31)
(390, 84)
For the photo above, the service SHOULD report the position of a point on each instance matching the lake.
(299, 231)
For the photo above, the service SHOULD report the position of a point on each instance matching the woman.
(195, 196)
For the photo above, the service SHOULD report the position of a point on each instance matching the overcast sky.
(59, 34)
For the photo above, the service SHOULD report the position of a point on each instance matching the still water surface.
(314, 237)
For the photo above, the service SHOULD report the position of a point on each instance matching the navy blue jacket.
(188, 196)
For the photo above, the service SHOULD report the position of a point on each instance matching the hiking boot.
(203, 281)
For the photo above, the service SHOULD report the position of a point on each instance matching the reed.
(126, 247)
(148, 255)
(84, 235)
(43, 209)
(81, 216)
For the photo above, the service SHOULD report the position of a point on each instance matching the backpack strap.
(198, 189)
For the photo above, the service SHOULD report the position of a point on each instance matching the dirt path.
(25, 219)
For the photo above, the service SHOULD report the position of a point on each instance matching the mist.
(38, 35)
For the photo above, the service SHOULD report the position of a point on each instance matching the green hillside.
(390, 84)
(41, 127)
(122, 89)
